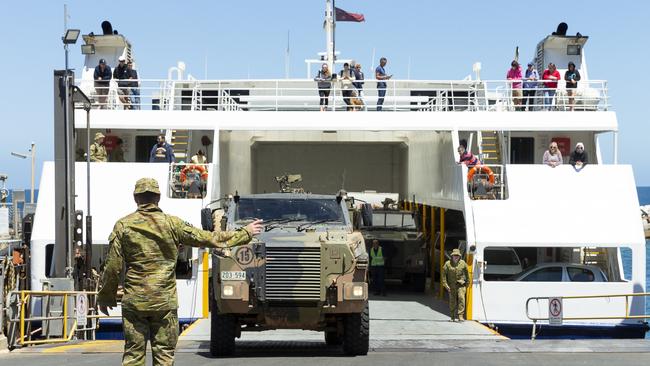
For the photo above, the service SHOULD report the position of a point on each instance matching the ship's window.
(580, 274)
(573, 50)
(49, 259)
(550, 274)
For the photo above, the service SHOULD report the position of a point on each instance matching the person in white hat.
(121, 74)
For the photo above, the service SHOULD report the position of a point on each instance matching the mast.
(329, 32)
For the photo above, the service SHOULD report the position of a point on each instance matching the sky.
(241, 39)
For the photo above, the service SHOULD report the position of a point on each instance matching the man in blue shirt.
(161, 152)
(380, 74)
(102, 78)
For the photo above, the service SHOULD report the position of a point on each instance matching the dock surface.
(401, 325)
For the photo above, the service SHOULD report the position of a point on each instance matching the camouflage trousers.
(160, 328)
(457, 302)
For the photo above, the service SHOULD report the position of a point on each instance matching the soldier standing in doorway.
(455, 279)
(98, 150)
(147, 242)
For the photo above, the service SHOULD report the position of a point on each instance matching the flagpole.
(333, 36)
(329, 33)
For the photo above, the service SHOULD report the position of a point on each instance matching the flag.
(344, 16)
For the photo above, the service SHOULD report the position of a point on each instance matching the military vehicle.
(404, 247)
(306, 270)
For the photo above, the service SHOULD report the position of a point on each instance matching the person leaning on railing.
(579, 158)
(324, 79)
(102, 77)
(552, 156)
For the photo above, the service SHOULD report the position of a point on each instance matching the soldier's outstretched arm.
(192, 236)
(114, 262)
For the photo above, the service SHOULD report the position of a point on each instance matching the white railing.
(302, 95)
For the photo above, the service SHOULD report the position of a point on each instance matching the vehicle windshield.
(501, 257)
(290, 209)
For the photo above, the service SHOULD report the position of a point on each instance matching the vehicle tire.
(332, 338)
(356, 336)
(419, 282)
(222, 333)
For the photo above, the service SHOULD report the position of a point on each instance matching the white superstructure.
(258, 129)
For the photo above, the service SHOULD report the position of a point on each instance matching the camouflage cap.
(146, 185)
(455, 252)
(99, 135)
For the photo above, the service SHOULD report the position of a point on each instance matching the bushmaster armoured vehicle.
(307, 270)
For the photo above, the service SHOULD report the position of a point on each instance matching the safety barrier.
(626, 313)
(27, 309)
(302, 94)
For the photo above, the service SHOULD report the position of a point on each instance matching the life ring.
(481, 169)
(199, 168)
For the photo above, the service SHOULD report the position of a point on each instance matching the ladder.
(181, 141)
(489, 147)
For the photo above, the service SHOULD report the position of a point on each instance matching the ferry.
(565, 229)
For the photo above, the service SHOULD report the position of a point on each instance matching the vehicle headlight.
(355, 291)
(228, 290)
(420, 262)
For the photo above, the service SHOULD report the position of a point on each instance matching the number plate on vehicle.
(233, 275)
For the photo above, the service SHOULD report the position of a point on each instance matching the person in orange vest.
(377, 268)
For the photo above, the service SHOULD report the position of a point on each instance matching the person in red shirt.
(550, 76)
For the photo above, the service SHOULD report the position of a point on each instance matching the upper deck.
(302, 95)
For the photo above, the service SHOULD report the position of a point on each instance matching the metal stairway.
(490, 147)
(181, 141)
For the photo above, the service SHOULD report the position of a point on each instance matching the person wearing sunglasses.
(579, 156)
(552, 156)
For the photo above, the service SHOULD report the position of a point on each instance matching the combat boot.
(461, 318)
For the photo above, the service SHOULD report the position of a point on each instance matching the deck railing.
(623, 315)
(302, 95)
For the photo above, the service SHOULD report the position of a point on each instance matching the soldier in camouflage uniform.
(97, 150)
(455, 279)
(147, 242)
